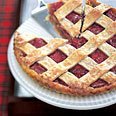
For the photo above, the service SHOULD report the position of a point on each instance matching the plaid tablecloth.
(9, 16)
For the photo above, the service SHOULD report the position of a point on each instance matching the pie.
(84, 62)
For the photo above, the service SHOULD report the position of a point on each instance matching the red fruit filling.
(74, 17)
(38, 42)
(78, 42)
(112, 41)
(38, 68)
(99, 83)
(111, 14)
(60, 82)
(58, 56)
(113, 69)
(55, 6)
(98, 56)
(95, 28)
(78, 71)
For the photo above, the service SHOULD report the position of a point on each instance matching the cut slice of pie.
(76, 65)
(66, 15)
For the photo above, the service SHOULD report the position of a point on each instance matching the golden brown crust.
(55, 86)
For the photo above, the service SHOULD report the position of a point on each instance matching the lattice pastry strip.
(67, 49)
(70, 79)
(109, 77)
(47, 62)
(107, 49)
(27, 48)
(88, 63)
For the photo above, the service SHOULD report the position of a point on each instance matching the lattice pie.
(85, 61)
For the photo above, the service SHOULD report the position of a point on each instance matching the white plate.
(46, 95)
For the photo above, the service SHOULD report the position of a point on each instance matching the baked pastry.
(67, 16)
(60, 66)
(70, 18)
(79, 65)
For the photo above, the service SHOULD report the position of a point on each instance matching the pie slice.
(71, 19)
(81, 65)
(66, 16)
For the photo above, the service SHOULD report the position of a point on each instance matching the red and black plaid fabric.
(9, 12)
